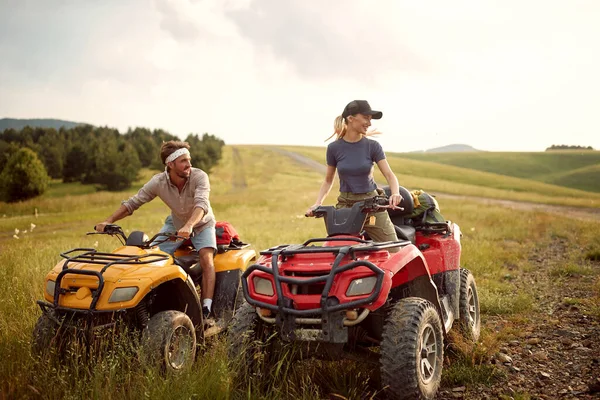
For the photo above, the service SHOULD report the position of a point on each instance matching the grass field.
(570, 168)
(265, 194)
(434, 177)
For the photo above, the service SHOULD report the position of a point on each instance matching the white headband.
(176, 154)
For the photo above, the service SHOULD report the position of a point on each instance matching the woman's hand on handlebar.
(395, 200)
(309, 212)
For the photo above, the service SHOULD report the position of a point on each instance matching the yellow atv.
(142, 288)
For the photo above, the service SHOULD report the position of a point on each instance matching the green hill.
(451, 148)
(570, 168)
(586, 178)
(436, 177)
(18, 124)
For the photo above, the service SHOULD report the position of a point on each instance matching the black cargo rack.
(91, 256)
(284, 305)
(361, 245)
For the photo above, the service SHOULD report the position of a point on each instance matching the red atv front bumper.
(313, 286)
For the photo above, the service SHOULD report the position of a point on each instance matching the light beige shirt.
(193, 195)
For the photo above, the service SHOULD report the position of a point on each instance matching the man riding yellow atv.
(142, 288)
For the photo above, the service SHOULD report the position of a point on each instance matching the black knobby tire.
(169, 341)
(45, 335)
(239, 298)
(470, 319)
(250, 343)
(412, 350)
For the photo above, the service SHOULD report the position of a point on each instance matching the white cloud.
(509, 76)
(337, 38)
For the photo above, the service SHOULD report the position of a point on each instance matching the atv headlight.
(361, 286)
(122, 294)
(50, 285)
(263, 286)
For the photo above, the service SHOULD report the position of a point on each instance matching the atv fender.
(192, 300)
(408, 256)
(234, 260)
(411, 277)
(229, 267)
(180, 295)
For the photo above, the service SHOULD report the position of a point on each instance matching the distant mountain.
(18, 124)
(451, 148)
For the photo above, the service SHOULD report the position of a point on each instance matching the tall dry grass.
(264, 194)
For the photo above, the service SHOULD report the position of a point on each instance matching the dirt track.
(574, 212)
(556, 352)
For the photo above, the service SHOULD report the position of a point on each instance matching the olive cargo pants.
(380, 231)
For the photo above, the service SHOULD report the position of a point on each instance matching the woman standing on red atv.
(353, 155)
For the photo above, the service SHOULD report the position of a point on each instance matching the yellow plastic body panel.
(144, 276)
(234, 259)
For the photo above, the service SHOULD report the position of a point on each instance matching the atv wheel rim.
(180, 347)
(428, 354)
(472, 308)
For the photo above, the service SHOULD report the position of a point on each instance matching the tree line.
(567, 147)
(87, 154)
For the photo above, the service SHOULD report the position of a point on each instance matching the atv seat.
(189, 263)
(398, 217)
(136, 238)
(406, 232)
(407, 204)
(235, 244)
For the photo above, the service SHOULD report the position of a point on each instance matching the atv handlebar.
(116, 230)
(373, 204)
(111, 229)
(154, 240)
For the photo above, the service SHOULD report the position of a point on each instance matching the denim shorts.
(205, 238)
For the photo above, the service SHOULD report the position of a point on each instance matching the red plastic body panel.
(443, 254)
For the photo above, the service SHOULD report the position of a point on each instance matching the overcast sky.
(500, 76)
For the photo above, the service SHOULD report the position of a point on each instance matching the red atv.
(346, 294)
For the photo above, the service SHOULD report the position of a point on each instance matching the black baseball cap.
(360, 107)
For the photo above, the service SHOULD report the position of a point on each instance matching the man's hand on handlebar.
(162, 237)
(185, 232)
(100, 227)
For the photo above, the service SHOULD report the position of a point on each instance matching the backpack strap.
(432, 207)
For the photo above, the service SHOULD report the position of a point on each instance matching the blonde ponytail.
(340, 128)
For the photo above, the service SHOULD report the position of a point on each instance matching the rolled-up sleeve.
(202, 191)
(144, 195)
